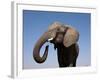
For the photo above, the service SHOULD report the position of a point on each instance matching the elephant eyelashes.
(64, 39)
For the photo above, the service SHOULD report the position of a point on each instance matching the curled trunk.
(39, 44)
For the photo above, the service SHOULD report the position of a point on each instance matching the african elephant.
(64, 38)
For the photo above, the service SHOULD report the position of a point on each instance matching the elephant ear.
(71, 37)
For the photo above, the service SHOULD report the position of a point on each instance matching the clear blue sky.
(35, 23)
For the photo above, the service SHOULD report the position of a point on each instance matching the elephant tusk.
(50, 39)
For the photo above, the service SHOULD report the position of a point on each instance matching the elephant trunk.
(36, 52)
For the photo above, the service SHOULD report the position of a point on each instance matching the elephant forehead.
(54, 25)
(58, 29)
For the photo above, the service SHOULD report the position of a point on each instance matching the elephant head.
(56, 33)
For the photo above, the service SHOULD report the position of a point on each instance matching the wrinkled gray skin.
(60, 35)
